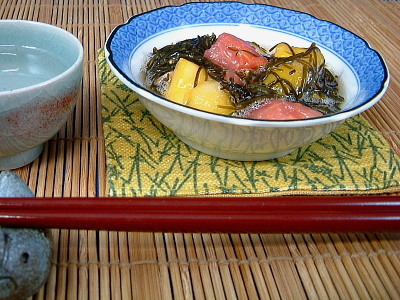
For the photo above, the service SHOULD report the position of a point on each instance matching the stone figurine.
(25, 254)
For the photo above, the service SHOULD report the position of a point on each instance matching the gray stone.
(25, 254)
(25, 261)
(11, 185)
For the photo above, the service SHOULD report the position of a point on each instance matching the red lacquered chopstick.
(222, 214)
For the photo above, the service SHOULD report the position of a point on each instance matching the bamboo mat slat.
(102, 265)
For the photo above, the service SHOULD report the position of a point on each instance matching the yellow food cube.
(208, 96)
(185, 76)
(292, 73)
(284, 50)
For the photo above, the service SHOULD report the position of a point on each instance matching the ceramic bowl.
(362, 73)
(41, 69)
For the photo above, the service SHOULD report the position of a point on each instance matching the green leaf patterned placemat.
(144, 158)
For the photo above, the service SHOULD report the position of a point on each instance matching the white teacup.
(41, 69)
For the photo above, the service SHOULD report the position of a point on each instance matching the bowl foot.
(21, 159)
(236, 156)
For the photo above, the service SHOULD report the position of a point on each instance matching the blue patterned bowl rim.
(367, 63)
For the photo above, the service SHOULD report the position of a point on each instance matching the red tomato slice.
(278, 109)
(234, 54)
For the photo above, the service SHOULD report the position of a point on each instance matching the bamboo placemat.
(132, 265)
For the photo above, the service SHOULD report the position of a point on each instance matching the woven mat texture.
(144, 158)
(133, 265)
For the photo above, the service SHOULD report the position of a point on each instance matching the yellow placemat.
(144, 158)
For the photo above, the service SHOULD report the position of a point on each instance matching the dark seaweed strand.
(196, 79)
(325, 97)
(254, 89)
(309, 69)
(239, 50)
(318, 88)
(290, 47)
(165, 59)
(322, 91)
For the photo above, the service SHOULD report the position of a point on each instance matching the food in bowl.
(228, 75)
(362, 74)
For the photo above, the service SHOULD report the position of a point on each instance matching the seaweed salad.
(228, 75)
